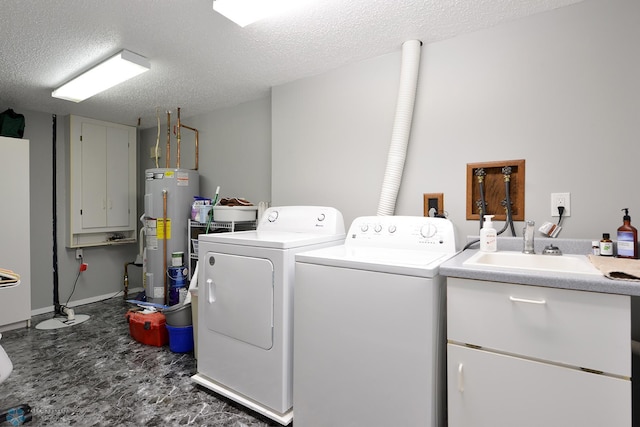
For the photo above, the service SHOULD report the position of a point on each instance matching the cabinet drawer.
(577, 328)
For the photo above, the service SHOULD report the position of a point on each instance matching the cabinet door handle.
(528, 301)
(460, 378)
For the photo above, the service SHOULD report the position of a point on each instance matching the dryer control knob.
(273, 215)
(364, 227)
(428, 230)
(321, 217)
(392, 229)
(377, 228)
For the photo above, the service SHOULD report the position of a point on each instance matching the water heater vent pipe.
(401, 127)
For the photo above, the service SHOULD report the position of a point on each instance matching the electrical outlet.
(79, 253)
(561, 199)
(152, 152)
(433, 202)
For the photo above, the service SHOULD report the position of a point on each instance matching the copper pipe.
(168, 139)
(178, 139)
(177, 131)
(164, 241)
(157, 138)
(197, 134)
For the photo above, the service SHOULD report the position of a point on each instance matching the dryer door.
(239, 297)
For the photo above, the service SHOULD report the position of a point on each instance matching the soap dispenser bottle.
(627, 238)
(488, 236)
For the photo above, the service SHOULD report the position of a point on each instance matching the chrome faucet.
(527, 236)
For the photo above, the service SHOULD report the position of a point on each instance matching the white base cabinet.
(536, 356)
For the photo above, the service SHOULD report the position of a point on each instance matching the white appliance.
(15, 229)
(369, 337)
(168, 197)
(245, 305)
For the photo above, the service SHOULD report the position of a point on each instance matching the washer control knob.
(428, 230)
(364, 228)
(377, 228)
(273, 215)
(321, 217)
(392, 229)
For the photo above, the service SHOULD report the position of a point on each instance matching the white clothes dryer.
(370, 338)
(245, 305)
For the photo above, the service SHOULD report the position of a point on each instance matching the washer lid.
(397, 261)
(270, 239)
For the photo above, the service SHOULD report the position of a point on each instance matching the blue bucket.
(180, 338)
(177, 284)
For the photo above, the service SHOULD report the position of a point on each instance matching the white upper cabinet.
(102, 183)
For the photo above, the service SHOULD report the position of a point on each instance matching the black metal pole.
(56, 297)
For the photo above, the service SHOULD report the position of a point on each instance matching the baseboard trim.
(51, 309)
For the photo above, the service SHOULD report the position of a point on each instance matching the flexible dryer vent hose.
(401, 127)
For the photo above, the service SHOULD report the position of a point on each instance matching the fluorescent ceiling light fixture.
(245, 12)
(113, 71)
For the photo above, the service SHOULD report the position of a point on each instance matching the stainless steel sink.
(576, 264)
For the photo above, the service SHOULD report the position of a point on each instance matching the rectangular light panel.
(245, 12)
(113, 71)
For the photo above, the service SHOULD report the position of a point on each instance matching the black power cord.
(560, 213)
(76, 281)
(60, 309)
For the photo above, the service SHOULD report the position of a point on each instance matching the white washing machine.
(370, 333)
(245, 305)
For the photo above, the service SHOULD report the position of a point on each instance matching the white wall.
(330, 136)
(38, 130)
(559, 89)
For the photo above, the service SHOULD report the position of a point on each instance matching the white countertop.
(454, 268)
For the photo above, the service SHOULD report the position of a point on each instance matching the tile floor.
(94, 374)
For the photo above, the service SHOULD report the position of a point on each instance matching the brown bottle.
(627, 238)
(606, 245)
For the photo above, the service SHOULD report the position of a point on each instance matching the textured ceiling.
(200, 61)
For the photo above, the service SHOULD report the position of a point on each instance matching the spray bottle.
(627, 238)
(488, 236)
